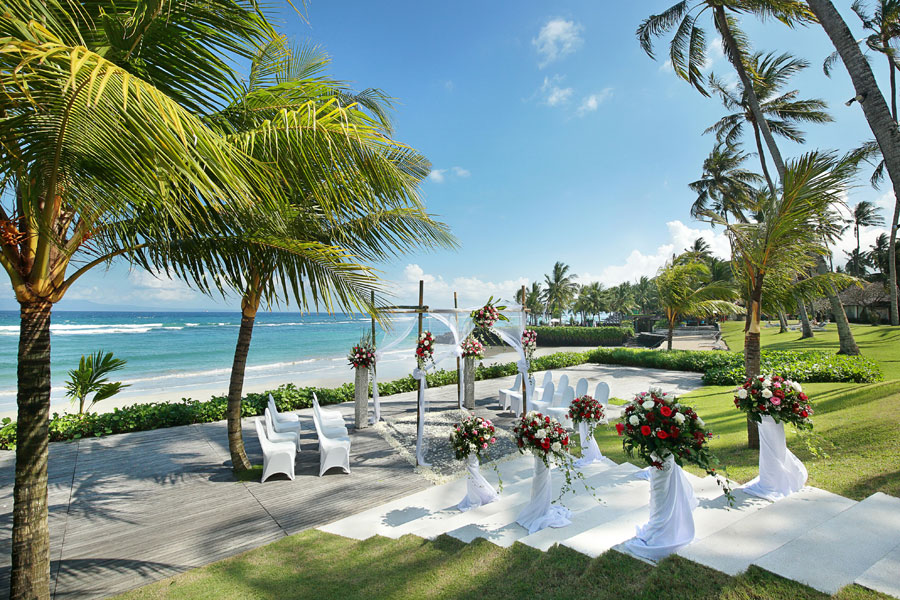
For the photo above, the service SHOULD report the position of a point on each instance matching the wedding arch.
(460, 325)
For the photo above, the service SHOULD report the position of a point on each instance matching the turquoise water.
(176, 353)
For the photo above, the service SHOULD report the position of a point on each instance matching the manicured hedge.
(727, 368)
(157, 415)
(583, 336)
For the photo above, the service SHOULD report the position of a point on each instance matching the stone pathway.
(130, 509)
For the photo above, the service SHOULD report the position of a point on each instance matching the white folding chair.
(283, 422)
(281, 436)
(334, 449)
(278, 457)
(581, 387)
(508, 395)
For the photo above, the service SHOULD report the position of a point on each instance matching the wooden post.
(459, 382)
(525, 376)
(420, 363)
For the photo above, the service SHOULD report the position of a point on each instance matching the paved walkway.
(129, 509)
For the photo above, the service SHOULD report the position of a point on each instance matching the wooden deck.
(130, 509)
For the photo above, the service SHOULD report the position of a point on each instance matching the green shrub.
(288, 397)
(583, 336)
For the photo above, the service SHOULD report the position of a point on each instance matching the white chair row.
(279, 437)
(556, 404)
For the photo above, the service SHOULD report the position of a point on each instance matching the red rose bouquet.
(529, 343)
(425, 348)
(776, 397)
(586, 410)
(487, 315)
(472, 435)
(543, 436)
(472, 347)
(362, 356)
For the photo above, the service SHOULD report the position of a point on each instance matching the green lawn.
(318, 565)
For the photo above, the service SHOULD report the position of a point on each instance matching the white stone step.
(500, 526)
(598, 539)
(842, 549)
(380, 520)
(742, 538)
(884, 576)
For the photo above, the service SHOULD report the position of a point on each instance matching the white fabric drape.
(510, 332)
(379, 352)
(590, 451)
(540, 513)
(460, 328)
(780, 472)
(478, 491)
(671, 524)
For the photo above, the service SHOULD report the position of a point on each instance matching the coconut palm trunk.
(846, 342)
(752, 352)
(875, 108)
(249, 307)
(782, 322)
(806, 328)
(30, 575)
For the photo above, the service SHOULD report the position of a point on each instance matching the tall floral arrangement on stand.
(586, 413)
(362, 361)
(471, 440)
(545, 438)
(772, 396)
(362, 356)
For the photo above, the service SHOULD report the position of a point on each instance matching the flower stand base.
(671, 524)
(469, 383)
(478, 491)
(780, 472)
(540, 513)
(361, 398)
(590, 451)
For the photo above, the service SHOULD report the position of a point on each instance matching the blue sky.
(552, 135)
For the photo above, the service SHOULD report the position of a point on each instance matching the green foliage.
(288, 397)
(583, 336)
(90, 378)
(727, 368)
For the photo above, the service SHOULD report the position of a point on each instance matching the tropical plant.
(559, 289)
(645, 295)
(620, 298)
(782, 111)
(685, 289)
(865, 214)
(102, 154)
(879, 255)
(724, 187)
(595, 298)
(881, 121)
(91, 378)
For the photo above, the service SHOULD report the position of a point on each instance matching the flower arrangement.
(362, 356)
(776, 397)
(657, 426)
(487, 315)
(529, 343)
(425, 348)
(546, 439)
(586, 410)
(472, 435)
(472, 347)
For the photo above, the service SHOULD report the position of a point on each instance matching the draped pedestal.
(361, 398)
(590, 451)
(540, 513)
(478, 490)
(780, 472)
(469, 382)
(671, 524)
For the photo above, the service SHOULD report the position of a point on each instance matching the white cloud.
(151, 287)
(592, 102)
(471, 291)
(437, 175)
(553, 92)
(638, 264)
(556, 39)
(460, 172)
(442, 175)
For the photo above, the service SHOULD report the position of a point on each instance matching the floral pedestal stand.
(540, 513)
(469, 382)
(780, 472)
(671, 524)
(361, 398)
(590, 451)
(478, 490)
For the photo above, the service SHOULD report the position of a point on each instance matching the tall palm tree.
(596, 297)
(785, 240)
(685, 289)
(724, 187)
(865, 214)
(102, 155)
(881, 121)
(559, 289)
(621, 298)
(359, 206)
(645, 294)
(782, 111)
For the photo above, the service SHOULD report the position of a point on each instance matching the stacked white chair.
(546, 400)
(283, 422)
(274, 435)
(539, 389)
(334, 444)
(581, 387)
(512, 396)
(559, 410)
(278, 457)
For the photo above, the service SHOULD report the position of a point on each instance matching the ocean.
(189, 354)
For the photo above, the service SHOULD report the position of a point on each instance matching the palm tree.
(595, 295)
(783, 112)
(102, 155)
(361, 205)
(785, 240)
(621, 298)
(645, 294)
(881, 121)
(720, 270)
(685, 289)
(559, 289)
(865, 214)
(858, 263)
(724, 186)
(879, 256)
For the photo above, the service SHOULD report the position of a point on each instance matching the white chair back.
(548, 378)
(601, 394)
(270, 426)
(263, 437)
(549, 390)
(272, 406)
(563, 382)
(565, 399)
(518, 384)
(316, 407)
(581, 387)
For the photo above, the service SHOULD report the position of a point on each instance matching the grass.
(881, 343)
(313, 564)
